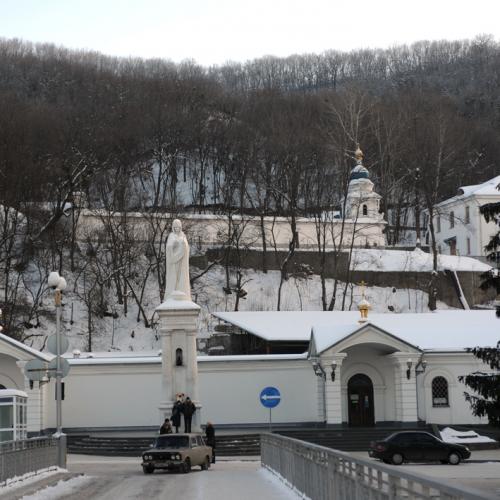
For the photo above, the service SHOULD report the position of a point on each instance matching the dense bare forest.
(273, 136)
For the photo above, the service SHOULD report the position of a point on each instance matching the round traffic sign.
(35, 369)
(270, 397)
(52, 344)
(53, 367)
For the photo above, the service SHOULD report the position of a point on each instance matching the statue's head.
(177, 226)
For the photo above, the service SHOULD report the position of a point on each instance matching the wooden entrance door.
(360, 400)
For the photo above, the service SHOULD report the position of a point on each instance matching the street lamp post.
(59, 284)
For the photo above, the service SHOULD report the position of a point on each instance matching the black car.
(417, 447)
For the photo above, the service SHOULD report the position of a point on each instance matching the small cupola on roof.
(363, 305)
(359, 171)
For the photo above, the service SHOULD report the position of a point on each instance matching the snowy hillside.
(125, 333)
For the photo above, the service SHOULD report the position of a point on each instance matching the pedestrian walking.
(189, 409)
(166, 427)
(210, 438)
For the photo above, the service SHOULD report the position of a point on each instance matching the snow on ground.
(15, 482)
(61, 489)
(463, 437)
(280, 482)
(415, 261)
(126, 334)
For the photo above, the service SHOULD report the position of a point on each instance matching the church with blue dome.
(363, 204)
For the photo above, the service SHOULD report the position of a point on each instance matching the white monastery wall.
(229, 391)
(450, 366)
(108, 396)
(211, 230)
(128, 395)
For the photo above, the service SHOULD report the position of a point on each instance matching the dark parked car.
(417, 447)
(177, 451)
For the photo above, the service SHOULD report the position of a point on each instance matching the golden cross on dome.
(362, 285)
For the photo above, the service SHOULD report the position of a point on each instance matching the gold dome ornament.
(364, 306)
(358, 155)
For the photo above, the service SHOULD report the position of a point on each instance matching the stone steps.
(227, 445)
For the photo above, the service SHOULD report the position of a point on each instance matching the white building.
(459, 227)
(362, 226)
(391, 368)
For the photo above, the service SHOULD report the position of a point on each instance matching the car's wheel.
(454, 458)
(397, 459)
(206, 464)
(186, 466)
(148, 469)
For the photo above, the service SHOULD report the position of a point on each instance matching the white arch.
(8, 381)
(365, 369)
(439, 372)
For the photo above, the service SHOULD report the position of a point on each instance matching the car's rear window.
(172, 442)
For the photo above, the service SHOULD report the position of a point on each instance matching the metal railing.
(321, 473)
(26, 455)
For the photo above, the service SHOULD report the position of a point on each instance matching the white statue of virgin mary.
(177, 252)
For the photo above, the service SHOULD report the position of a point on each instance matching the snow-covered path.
(110, 479)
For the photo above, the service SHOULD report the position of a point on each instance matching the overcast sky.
(215, 31)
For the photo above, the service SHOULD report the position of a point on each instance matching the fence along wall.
(324, 474)
(28, 455)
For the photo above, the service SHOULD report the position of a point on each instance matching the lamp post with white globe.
(58, 283)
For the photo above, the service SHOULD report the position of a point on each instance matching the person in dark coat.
(210, 438)
(166, 428)
(177, 411)
(189, 409)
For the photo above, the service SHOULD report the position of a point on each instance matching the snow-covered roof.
(25, 348)
(142, 359)
(488, 188)
(4, 393)
(374, 259)
(437, 331)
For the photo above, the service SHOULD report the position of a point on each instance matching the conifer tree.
(486, 386)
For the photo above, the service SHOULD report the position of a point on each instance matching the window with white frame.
(468, 246)
(452, 220)
(13, 416)
(440, 392)
(438, 224)
(467, 215)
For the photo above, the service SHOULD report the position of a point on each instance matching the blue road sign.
(270, 397)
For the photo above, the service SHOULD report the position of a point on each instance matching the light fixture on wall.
(318, 369)
(334, 367)
(409, 364)
(421, 366)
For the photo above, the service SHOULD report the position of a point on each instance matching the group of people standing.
(184, 406)
(181, 407)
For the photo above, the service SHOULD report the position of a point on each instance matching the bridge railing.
(26, 455)
(321, 473)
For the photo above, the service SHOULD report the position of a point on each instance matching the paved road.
(122, 478)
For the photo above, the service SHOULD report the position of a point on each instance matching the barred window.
(439, 392)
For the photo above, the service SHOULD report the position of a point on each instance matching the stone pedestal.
(178, 330)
